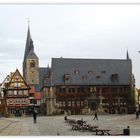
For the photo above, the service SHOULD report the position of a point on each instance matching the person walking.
(35, 116)
(137, 114)
(95, 116)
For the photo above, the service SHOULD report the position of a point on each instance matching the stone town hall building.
(81, 86)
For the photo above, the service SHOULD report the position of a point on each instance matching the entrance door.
(93, 106)
(17, 112)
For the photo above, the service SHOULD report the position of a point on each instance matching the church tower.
(30, 62)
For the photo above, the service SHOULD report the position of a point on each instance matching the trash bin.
(126, 132)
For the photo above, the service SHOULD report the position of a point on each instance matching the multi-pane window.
(7, 101)
(17, 84)
(15, 92)
(10, 92)
(78, 103)
(69, 103)
(20, 92)
(73, 90)
(62, 90)
(11, 111)
(60, 103)
(38, 102)
(23, 101)
(32, 101)
(25, 92)
(69, 90)
(17, 101)
(82, 103)
(11, 101)
(64, 103)
(78, 90)
(115, 77)
(23, 111)
(73, 103)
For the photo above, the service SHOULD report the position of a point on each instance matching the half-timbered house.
(16, 93)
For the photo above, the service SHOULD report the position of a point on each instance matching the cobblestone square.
(52, 125)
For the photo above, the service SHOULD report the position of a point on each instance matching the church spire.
(29, 43)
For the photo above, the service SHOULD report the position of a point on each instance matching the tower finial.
(127, 56)
(28, 22)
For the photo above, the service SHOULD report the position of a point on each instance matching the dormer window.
(98, 77)
(76, 71)
(115, 77)
(90, 72)
(67, 77)
(84, 77)
(103, 71)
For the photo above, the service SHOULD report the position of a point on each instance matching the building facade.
(79, 86)
(16, 92)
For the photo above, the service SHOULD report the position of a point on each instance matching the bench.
(89, 127)
(72, 121)
(81, 122)
(76, 127)
(103, 131)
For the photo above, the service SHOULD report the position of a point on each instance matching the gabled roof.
(42, 73)
(91, 71)
(17, 78)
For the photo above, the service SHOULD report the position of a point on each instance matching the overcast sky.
(70, 31)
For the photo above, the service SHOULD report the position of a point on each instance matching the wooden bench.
(89, 127)
(76, 127)
(72, 121)
(81, 122)
(103, 132)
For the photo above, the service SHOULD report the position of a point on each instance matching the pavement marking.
(6, 127)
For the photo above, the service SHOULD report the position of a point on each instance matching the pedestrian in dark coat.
(137, 114)
(95, 116)
(35, 116)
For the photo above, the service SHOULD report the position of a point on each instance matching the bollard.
(126, 131)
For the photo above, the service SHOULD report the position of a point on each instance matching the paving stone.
(52, 125)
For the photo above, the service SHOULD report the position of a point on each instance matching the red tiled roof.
(32, 90)
(38, 95)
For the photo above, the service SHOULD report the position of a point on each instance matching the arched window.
(32, 64)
